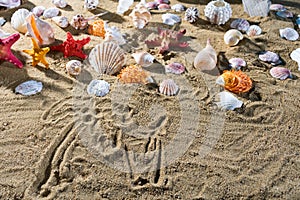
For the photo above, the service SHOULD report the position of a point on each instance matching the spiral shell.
(98, 88)
(218, 12)
(191, 14)
(289, 34)
(206, 59)
(134, 74)
(232, 37)
(240, 24)
(253, 30)
(73, 67)
(61, 21)
(143, 58)
(281, 73)
(227, 101)
(18, 20)
(168, 87)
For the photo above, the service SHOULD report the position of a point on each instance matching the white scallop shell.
(178, 7)
(232, 37)
(73, 67)
(227, 101)
(218, 12)
(18, 20)
(168, 87)
(51, 12)
(61, 21)
(281, 73)
(240, 24)
(112, 34)
(91, 4)
(60, 3)
(170, 19)
(237, 63)
(98, 88)
(206, 59)
(29, 88)
(289, 34)
(123, 6)
(38, 10)
(253, 30)
(295, 56)
(144, 59)
(107, 58)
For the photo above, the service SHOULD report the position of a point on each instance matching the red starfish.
(168, 39)
(5, 51)
(72, 47)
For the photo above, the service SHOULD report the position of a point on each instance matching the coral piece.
(5, 51)
(38, 54)
(168, 39)
(72, 47)
(218, 12)
(97, 28)
(134, 74)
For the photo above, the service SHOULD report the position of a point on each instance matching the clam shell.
(281, 73)
(123, 6)
(175, 68)
(144, 59)
(29, 88)
(91, 4)
(240, 24)
(295, 56)
(218, 12)
(270, 57)
(162, 1)
(98, 88)
(134, 74)
(61, 21)
(206, 59)
(73, 67)
(10, 3)
(285, 14)
(107, 58)
(178, 7)
(38, 10)
(227, 101)
(168, 87)
(289, 34)
(191, 14)
(163, 6)
(237, 63)
(253, 30)
(18, 20)
(232, 37)
(170, 19)
(277, 7)
(51, 12)
(60, 3)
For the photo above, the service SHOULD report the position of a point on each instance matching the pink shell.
(237, 63)
(277, 7)
(175, 68)
(164, 6)
(151, 5)
(270, 57)
(281, 73)
(289, 34)
(240, 24)
(162, 1)
(168, 87)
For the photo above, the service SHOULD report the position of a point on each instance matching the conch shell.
(140, 15)
(206, 59)
(235, 81)
(142, 58)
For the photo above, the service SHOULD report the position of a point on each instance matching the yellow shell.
(134, 74)
(97, 28)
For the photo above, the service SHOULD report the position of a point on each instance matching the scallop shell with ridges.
(98, 88)
(38, 10)
(168, 87)
(170, 19)
(270, 57)
(237, 63)
(29, 88)
(206, 59)
(191, 14)
(134, 74)
(51, 12)
(91, 4)
(144, 59)
(61, 21)
(281, 73)
(233, 37)
(18, 20)
(60, 3)
(178, 7)
(218, 12)
(227, 101)
(240, 24)
(107, 58)
(289, 34)
(73, 67)
(253, 30)
(295, 56)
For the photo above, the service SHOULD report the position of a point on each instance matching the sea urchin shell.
(218, 12)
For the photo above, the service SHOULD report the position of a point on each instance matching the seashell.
(289, 34)
(61, 21)
(178, 7)
(152, 5)
(18, 20)
(206, 59)
(281, 73)
(97, 28)
(40, 30)
(253, 30)
(74, 67)
(285, 14)
(98, 88)
(227, 101)
(144, 59)
(170, 19)
(10, 3)
(107, 58)
(123, 6)
(162, 1)
(257, 7)
(191, 14)
(175, 68)
(168, 87)
(232, 37)
(112, 34)
(295, 56)
(38, 10)
(163, 6)
(29, 88)
(79, 22)
(51, 12)
(140, 15)
(218, 12)
(270, 57)
(277, 7)
(298, 21)
(60, 3)
(91, 4)
(134, 74)
(2, 21)
(240, 24)
(235, 81)
(237, 63)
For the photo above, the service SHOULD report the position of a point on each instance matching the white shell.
(3, 34)
(281, 73)
(60, 3)
(140, 15)
(168, 87)
(18, 20)
(73, 67)
(98, 88)
(112, 34)
(253, 30)
(240, 24)
(144, 59)
(123, 6)
(218, 12)
(51, 12)
(2, 21)
(206, 59)
(29, 88)
(107, 58)
(257, 7)
(178, 7)
(227, 101)
(38, 10)
(232, 37)
(270, 57)
(170, 19)
(91, 4)
(10, 3)
(237, 63)
(295, 56)
(289, 34)
(61, 21)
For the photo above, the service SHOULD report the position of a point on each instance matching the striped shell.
(233, 37)
(191, 14)
(143, 58)
(107, 58)
(168, 87)
(253, 30)
(227, 101)
(235, 81)
(240, 24)
(289, 34)
(281, 73)
(270, 57)
(170, 19)
(134, 74)
(218, 12)
(98, 88)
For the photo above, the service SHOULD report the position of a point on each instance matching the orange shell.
(236, 81)
(97, 28)
(134, 74)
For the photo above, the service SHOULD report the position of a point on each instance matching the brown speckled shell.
(97, 28)
(236, 81)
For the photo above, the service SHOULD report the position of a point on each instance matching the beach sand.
(136, 143)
